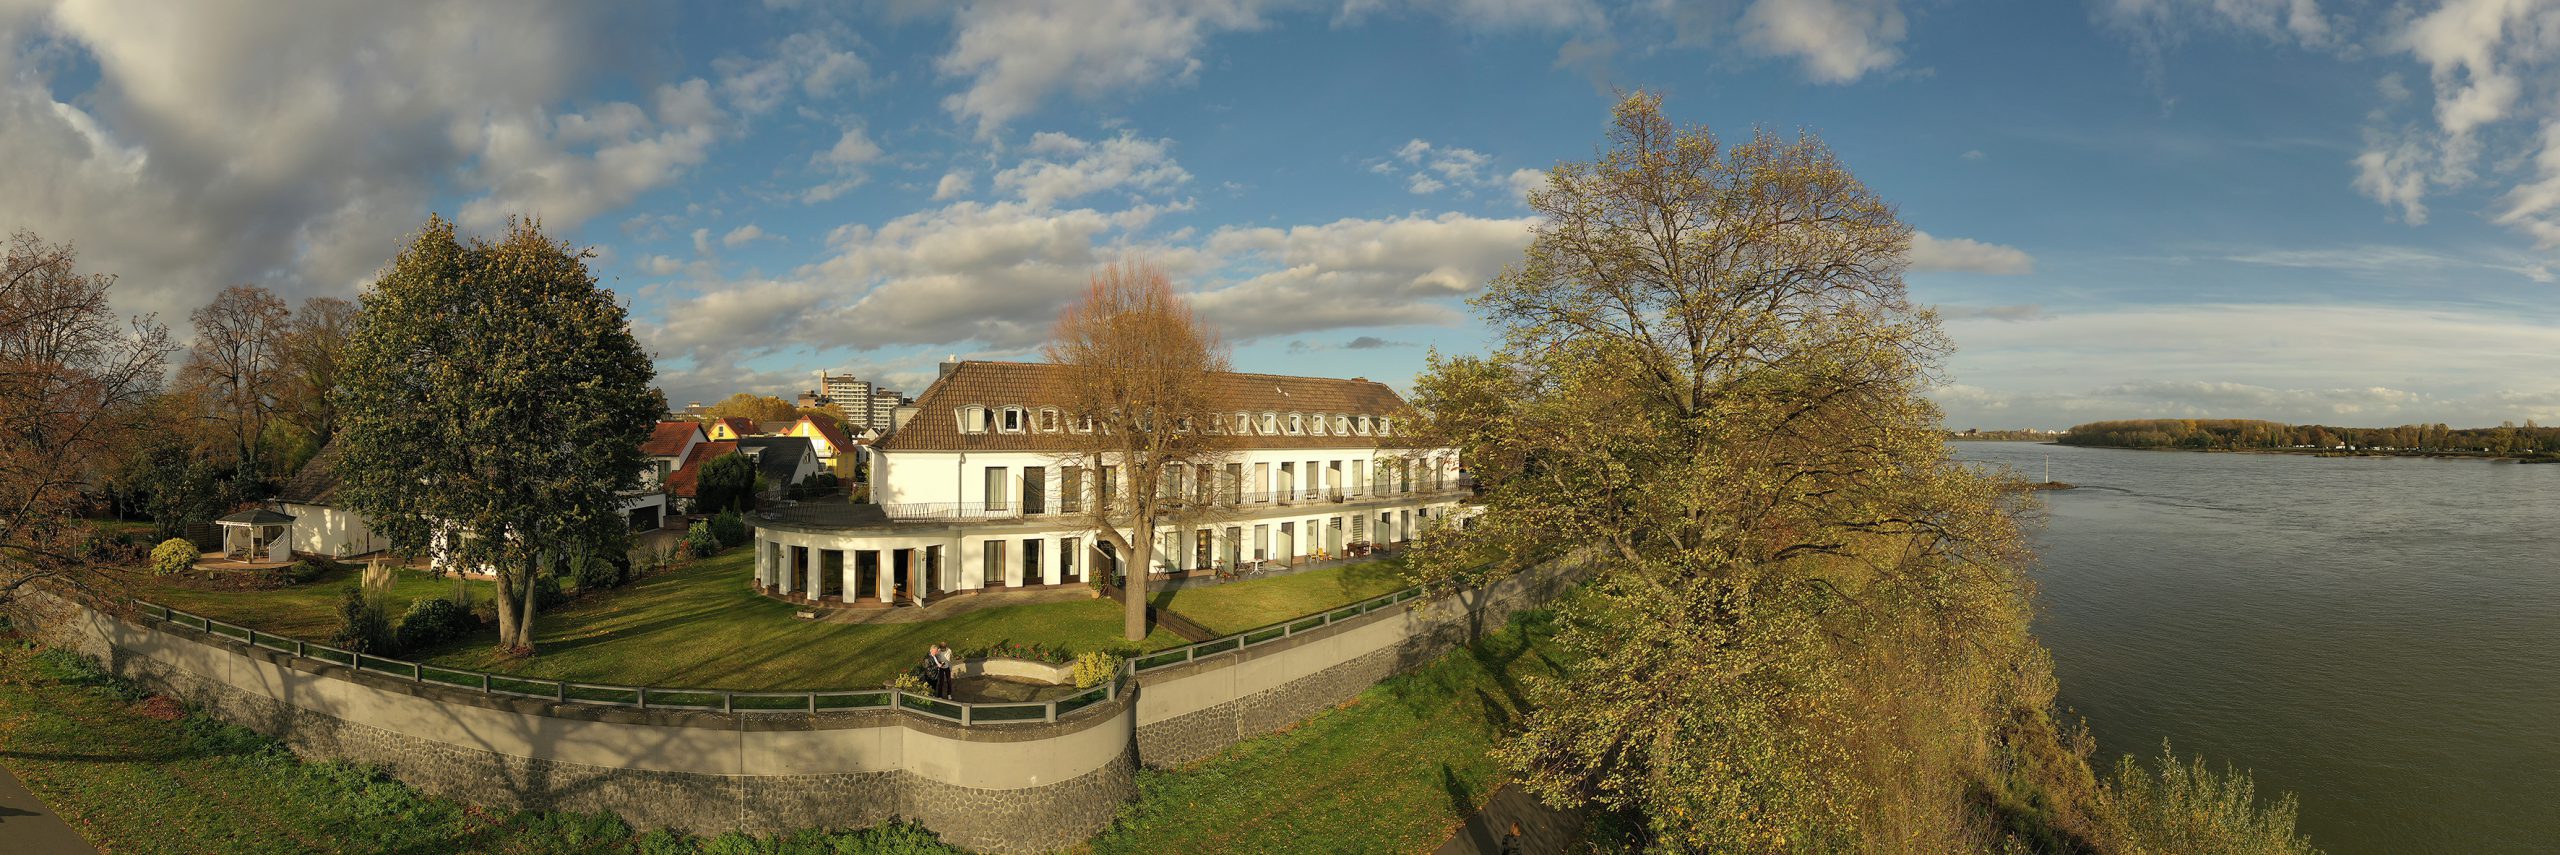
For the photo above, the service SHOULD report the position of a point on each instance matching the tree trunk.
(506, 586)
(1133, 581)
(524, 628)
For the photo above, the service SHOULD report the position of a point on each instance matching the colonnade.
(799, 572)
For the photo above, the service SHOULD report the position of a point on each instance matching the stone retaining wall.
(1014, 787)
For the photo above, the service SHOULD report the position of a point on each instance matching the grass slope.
(307, 611)
(1394, 771)
(134, 775)
(1239, 606)
(703, 627)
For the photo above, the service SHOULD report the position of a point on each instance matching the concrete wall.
(1025, 787)
(1030, 787)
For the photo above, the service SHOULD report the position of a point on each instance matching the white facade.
(332, 532)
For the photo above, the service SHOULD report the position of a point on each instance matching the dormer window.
(1243, 424)
(1084, 424)
(1013, 420)
(1297, 424)
(1271, 424)
(1385, 426)
(1315, 424)
(1361, 425)
(973, 419)
(1048, 420)
(1341, 425)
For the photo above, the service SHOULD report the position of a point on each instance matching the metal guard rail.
(652, 697)
(807, 703)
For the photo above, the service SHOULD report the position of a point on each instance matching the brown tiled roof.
(667, 439)
(1033, 385)
(836, 441)
(775, 428)
(316, 482)
(739, 426)
(681, 481)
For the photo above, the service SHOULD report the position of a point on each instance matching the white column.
(808, 558)
(913, 569)
(888, 587)
(845, 568)
(782, 567)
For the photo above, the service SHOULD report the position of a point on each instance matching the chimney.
(949, 364)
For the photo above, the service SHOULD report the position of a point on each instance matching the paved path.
(28, 826)
(1543, 830)
(939, 608)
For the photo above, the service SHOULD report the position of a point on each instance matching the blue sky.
(2290, 209)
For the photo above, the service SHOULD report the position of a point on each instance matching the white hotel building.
(980, 490)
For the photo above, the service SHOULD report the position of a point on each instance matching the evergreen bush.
(173, 556)
(729, 528)
(700, 542)
(432, 621)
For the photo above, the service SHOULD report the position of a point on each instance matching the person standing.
(941, 655)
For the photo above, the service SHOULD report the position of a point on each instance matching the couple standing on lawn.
(937, 669)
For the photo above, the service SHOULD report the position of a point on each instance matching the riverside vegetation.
(1811, 632)
(2529, 441)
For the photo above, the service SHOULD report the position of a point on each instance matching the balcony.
(1008, 511)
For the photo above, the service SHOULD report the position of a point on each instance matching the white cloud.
(1122, 162)
(808, 62)
(2342, 364)
(1836, 41)
(2488, 63)
(854, 148)
(660, 265)
(1525, 181)
(742, 235)
(1973, 154)
(1015, 54)
(535, 166)
(1931, 254)
(953, 185)
(1358, 272)
(204, 144)
(1430, 168)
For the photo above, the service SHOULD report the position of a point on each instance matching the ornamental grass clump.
(1096, 667)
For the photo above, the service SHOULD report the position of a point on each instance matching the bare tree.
(314, 347)
(73, 381)
(236, 363)
(1141, 393)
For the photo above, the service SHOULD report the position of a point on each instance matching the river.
(2380, 636)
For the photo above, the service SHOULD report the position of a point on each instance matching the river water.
(2380, 636)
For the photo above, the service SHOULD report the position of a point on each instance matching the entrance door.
(1235, 546)
(1288, 541)
(1200, 545)
(1031, 574)
(866, 576)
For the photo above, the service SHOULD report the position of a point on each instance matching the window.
(1341, 425)
(1361, 426)
(1297, 424)
(1383, 426)
(1315, 424)
(1243, 424)
(1084, 424)
(1271, 424)
(1070, 490)
(1048, 420)
(996, 484)
(1066, 559)
(1013, 420)
(973, 419)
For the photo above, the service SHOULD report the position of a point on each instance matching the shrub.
(304, 571)
(729, 528)
(909, 682)
(484, 610)
(700, 542)
(1095, 668)
(173, 556)
(432, 621)
(362, 627)
(2186, 807)
(597, 571)
(546, 592)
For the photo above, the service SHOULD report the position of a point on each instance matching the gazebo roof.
(255, 516)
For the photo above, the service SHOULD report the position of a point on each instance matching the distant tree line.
(2237, 434)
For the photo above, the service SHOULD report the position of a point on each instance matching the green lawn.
(1395, 771)
(132, 780)
(308, 611)
(703, 627)
(1239, 606)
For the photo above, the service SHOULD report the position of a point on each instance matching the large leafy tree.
(235, 369)
(75, 379)
(726, 483)
(755, 408)
(1809, 630)
(492, 406)
(1140, 379)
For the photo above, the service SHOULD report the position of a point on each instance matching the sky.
(2303, 210)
